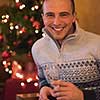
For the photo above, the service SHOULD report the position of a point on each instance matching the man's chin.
(58, 38)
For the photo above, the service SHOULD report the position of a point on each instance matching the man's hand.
(45, 92)
(66, 91)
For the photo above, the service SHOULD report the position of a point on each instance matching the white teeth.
(58, 29)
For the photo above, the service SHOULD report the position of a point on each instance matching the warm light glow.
(19, 67)
(3, 16)
(22, 6)
(36, 31)
(36, 84)
(10, 71)
(22, 84)
(6, 69)
(4, 62)
(19, 75)
(8, 47)
(41, 2)
(5, 21)
(29, 80)
(16, 1)
(32, 8)
(11, 51)
(16, 27)
(11, 27)
(7, 16)
(11, 24)
(9, 63)
(20, 32)
(36, 7)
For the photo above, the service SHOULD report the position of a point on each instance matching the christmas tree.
(20, 27)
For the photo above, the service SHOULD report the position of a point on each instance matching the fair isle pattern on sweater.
(84, 73)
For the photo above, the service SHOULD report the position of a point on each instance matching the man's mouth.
(57, 28)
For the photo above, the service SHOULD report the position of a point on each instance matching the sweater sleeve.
(42, 79)
(89, 95)
(93, 94)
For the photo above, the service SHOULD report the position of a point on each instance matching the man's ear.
(74, 16)
(42, 16)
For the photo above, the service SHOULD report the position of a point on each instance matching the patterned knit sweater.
(77, 60)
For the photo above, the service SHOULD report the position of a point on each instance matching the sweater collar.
(67, 38)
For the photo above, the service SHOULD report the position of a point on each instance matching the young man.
(68, 58)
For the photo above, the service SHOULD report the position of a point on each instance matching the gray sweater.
(77, 60)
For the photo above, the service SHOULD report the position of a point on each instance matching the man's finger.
(43, 97)
(62, 83)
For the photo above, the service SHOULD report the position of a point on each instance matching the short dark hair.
(73, 6)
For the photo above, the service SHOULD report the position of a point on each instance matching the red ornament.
(6, 54)
(37, 27)
(1, 38)
(18, 4)
(36, 24)
(16, 43)
(23, 29)
(30, 42)
(26, 17)
(32, 19)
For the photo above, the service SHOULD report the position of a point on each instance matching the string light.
(4, 62)
(36, 84)
(10, 71)
(22, 84)
(29, 80)
(11, 27)
(17, 27)
(32, 8)
(11, 24)
(9, 63)
(6, 69)
(8, 47)
(7, 16)
(36, 31)
(4, 21)
(21, 32)
(3, 16)
(19, 75)
(36, 7)
(16, 1)
(19, 66)
(22, 6)
(41, 2)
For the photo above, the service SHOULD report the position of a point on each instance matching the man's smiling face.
(58, 17)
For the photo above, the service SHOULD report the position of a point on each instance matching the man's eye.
(49, 15)
(64, 14)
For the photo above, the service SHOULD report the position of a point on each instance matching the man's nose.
(57, 20)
